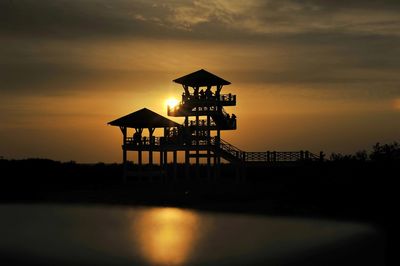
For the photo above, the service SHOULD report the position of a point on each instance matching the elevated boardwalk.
(226, 150)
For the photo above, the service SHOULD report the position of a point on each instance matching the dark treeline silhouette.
(383, 153)
(359, 186)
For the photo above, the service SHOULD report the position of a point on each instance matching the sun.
(171, 102)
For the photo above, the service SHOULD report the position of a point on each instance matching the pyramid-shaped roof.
(201, 78)
(144, 118)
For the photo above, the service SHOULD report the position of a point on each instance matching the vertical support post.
(175, 160)
(197, 143)
(215, 164)
(161, 159)
(208, 163)
(165, 157)
(165, 164)
(187, 163)
(151, 145)
(218, 166)
(124, 155)
(140, 169)
(208, 146)
(188, 142)
(140, 158)
(150, 157)
(186, 133)
(218, 140)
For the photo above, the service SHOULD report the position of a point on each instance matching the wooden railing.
(231, 152)
(268, 156)
(223, 98)
(144, 141)
(203, 102)
(202, 123)
(227, 98)
(279, 156)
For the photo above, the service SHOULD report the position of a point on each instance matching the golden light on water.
(166, 236)
(171, 102)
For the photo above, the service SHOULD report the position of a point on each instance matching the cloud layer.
(48, 42)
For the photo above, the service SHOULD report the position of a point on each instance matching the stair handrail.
(224, 113)
(231, 149)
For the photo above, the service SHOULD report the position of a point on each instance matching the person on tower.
(208, 93)
(202, 94)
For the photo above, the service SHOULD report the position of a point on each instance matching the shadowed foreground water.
(73, 235)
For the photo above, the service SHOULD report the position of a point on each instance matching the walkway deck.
(227, 151)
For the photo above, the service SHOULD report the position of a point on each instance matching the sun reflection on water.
(166, 236)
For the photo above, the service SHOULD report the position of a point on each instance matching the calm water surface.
(81, 235)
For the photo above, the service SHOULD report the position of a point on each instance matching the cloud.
(281, 17)
(70, 19)
(214, 19)
(53, 46)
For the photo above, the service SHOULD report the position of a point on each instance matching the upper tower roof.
(144, 118)
(201, 78)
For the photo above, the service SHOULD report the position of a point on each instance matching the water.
(82, 235)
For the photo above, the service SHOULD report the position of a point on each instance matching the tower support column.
(187, 164)
(165, 168)
(175, 159)
(124, 155)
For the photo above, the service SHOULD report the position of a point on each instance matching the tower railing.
(204, 97)
(202, 123)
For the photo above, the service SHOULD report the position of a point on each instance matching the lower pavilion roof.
(144, 118)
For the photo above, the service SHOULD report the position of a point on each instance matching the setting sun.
(171, 102)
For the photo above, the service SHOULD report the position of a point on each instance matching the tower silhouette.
(202, 106)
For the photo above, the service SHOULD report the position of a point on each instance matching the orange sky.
(315, 75)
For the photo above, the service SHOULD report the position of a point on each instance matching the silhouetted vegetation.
(381, 153)
(386, 152)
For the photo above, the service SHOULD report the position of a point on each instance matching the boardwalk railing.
(231, 152)
(279, 156)
(268, 156)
